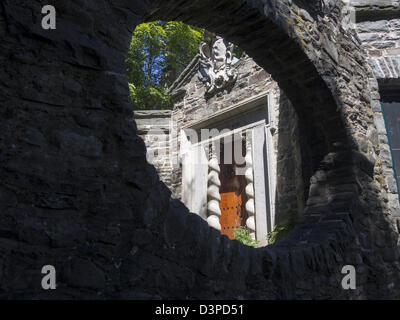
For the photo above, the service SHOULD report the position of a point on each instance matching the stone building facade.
(77, 191)
(154, 128)
(253, 97)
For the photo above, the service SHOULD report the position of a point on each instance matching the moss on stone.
(280, 230)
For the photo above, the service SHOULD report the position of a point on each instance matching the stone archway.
(77, 192)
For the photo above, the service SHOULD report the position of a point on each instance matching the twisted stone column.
(213, 196)
(250, 207)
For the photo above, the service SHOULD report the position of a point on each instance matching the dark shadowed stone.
(209, 253)
(90, 147)
(35, 137)
(7, 198)
(33, 232)
(174, 223)
(55, 201)
(82, 273)
(66, 234)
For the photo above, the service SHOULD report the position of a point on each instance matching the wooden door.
(233, 194)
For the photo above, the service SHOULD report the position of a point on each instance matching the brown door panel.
(233, 198)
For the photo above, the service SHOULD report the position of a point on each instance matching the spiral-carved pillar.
(213, 196)
(250, 207)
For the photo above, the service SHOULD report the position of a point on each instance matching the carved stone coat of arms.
(216, 65)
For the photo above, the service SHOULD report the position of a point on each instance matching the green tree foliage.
(243, 235)
(158, 53)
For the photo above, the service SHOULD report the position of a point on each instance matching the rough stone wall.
(381, 40)
(290, 191)
(76, 190)
(154, 128)
(378, 29)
